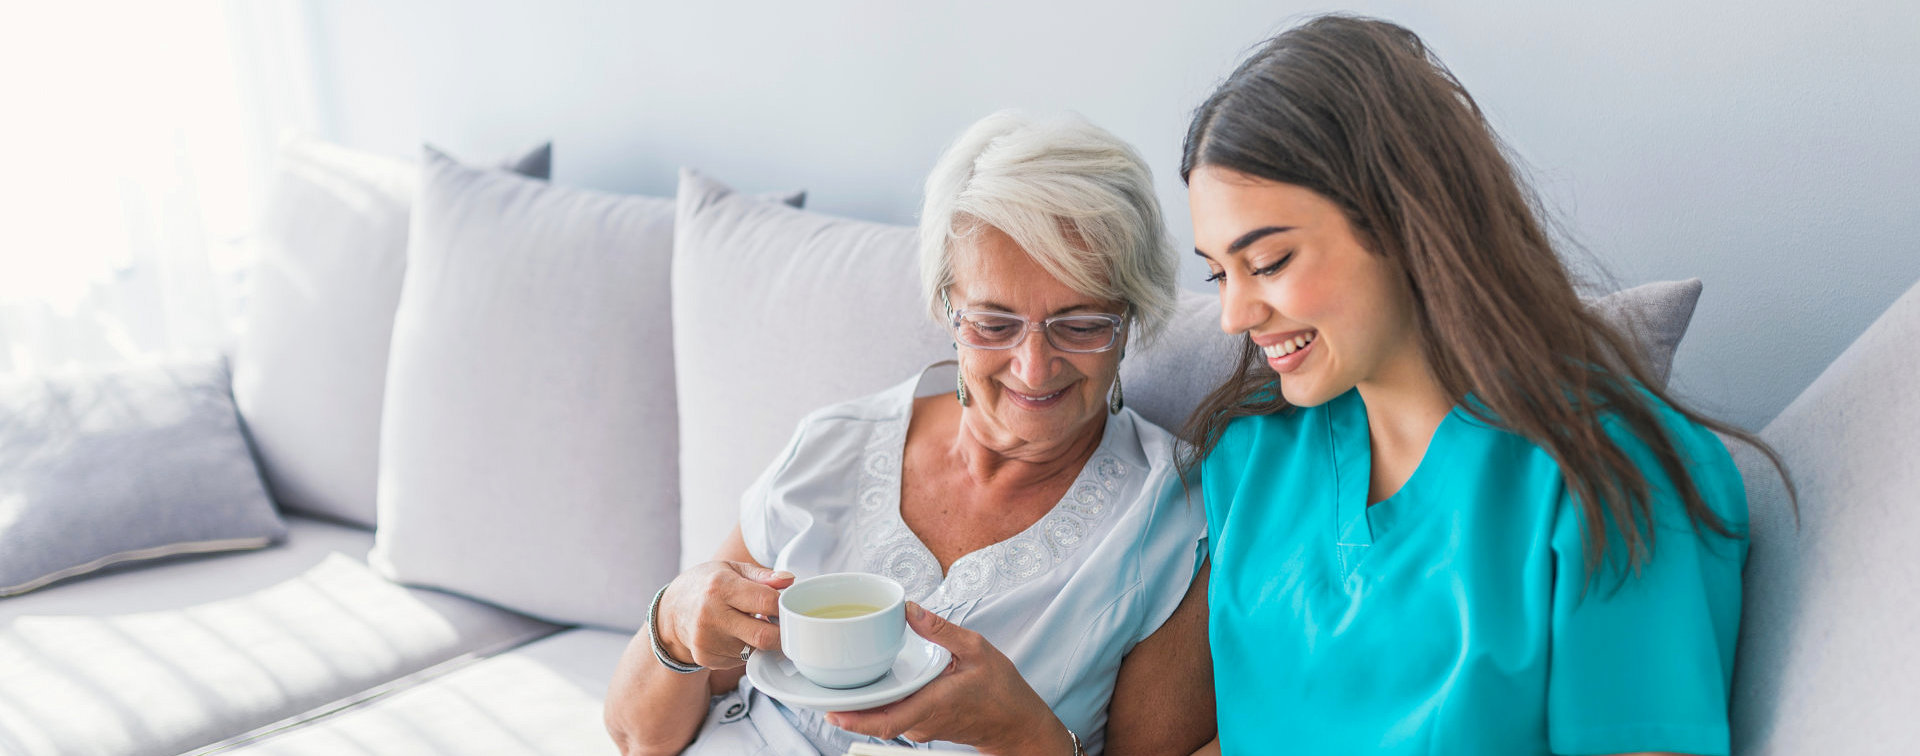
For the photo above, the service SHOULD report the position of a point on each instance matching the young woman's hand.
(980, 700)
(706, 616)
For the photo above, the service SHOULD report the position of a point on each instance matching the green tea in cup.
(842, 611)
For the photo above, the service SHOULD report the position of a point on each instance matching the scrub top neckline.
(1361, 524)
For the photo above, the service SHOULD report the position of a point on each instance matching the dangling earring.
(960, 380)
(1116, 398)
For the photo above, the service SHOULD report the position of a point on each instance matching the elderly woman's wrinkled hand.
(707, 615)
(980, 700)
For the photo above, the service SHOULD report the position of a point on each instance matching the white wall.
(1766, 147)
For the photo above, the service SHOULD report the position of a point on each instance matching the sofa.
(483, 417)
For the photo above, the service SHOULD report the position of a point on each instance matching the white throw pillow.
(778, 312)
(309, 371)
(528, 447)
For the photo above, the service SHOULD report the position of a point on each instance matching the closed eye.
(1217, 276)
(1275, 267)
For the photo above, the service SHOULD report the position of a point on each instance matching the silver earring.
(1117, 398)
(961, 380)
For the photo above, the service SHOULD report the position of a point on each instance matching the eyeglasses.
(986, 329)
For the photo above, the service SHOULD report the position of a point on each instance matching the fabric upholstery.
(542, 698)
(170, 680)
(1827, 662)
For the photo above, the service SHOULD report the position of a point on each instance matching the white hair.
(1074, 196)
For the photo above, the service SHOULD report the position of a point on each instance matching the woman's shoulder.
(890, 404)
(1701, 453)
(841, 434)
(1275, 432)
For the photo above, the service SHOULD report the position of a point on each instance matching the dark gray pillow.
(104, 468)
(1656, 316)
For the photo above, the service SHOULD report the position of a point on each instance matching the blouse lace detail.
(890, 548)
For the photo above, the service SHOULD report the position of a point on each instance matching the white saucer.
(920, 661)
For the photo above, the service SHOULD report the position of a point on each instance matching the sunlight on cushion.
(505, 705)
(160, 682)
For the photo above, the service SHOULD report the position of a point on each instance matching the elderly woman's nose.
(1033, 361)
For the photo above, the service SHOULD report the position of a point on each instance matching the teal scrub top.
(1455, 617)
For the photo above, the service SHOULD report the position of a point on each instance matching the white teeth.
(1289, 346)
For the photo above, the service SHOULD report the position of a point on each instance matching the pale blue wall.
(1766, 147)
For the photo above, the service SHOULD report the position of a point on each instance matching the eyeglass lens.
(1071, 333)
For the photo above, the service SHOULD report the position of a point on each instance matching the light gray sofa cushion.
(310, 370)
(529, 451)
(178, 655)
(1164, 379)
(102, 468)
(542, 698)
(1827, 657)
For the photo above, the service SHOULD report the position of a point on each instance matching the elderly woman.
(1036, 523)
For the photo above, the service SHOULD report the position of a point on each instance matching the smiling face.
(1328, 313)
(1032, 395)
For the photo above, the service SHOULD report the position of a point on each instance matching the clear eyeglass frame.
(1113, 325)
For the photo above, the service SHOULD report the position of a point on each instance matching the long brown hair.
(1361, 112)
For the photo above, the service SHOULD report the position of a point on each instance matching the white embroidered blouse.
(1066, 599)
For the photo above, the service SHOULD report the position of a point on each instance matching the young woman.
(1450, 511)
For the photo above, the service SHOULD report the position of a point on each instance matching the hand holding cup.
(707, 615)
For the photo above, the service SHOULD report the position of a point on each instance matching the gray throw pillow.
(528, 453)
(311, 367)
(1656, 316)
(102, 468)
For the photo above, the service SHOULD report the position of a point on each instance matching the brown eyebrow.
(1247, 239)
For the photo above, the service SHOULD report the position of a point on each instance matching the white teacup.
(843, 630)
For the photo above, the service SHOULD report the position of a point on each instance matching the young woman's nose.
(1240, 310)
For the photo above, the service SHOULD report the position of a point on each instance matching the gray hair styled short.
(1074, 196)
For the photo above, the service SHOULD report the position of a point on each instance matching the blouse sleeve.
(767, 528)
(1643, 662)
(1173, 550)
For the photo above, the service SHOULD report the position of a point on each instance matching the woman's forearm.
(651, 709)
